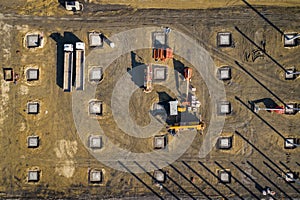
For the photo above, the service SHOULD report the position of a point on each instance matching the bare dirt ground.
(51, 7)
(193, 4)
(257, 158)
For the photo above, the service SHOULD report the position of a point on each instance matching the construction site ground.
(258, 158)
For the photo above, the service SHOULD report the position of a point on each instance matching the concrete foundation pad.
(159, 176)
(33, 107)
(33, 176)
(224, 176)
(95, 142)
(224, 39)
(224, 142)
(95, 176)
(33, 141)
(160, 142)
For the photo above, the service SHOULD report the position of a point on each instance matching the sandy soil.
(194, 4)
(56, 7)
(62, 157)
